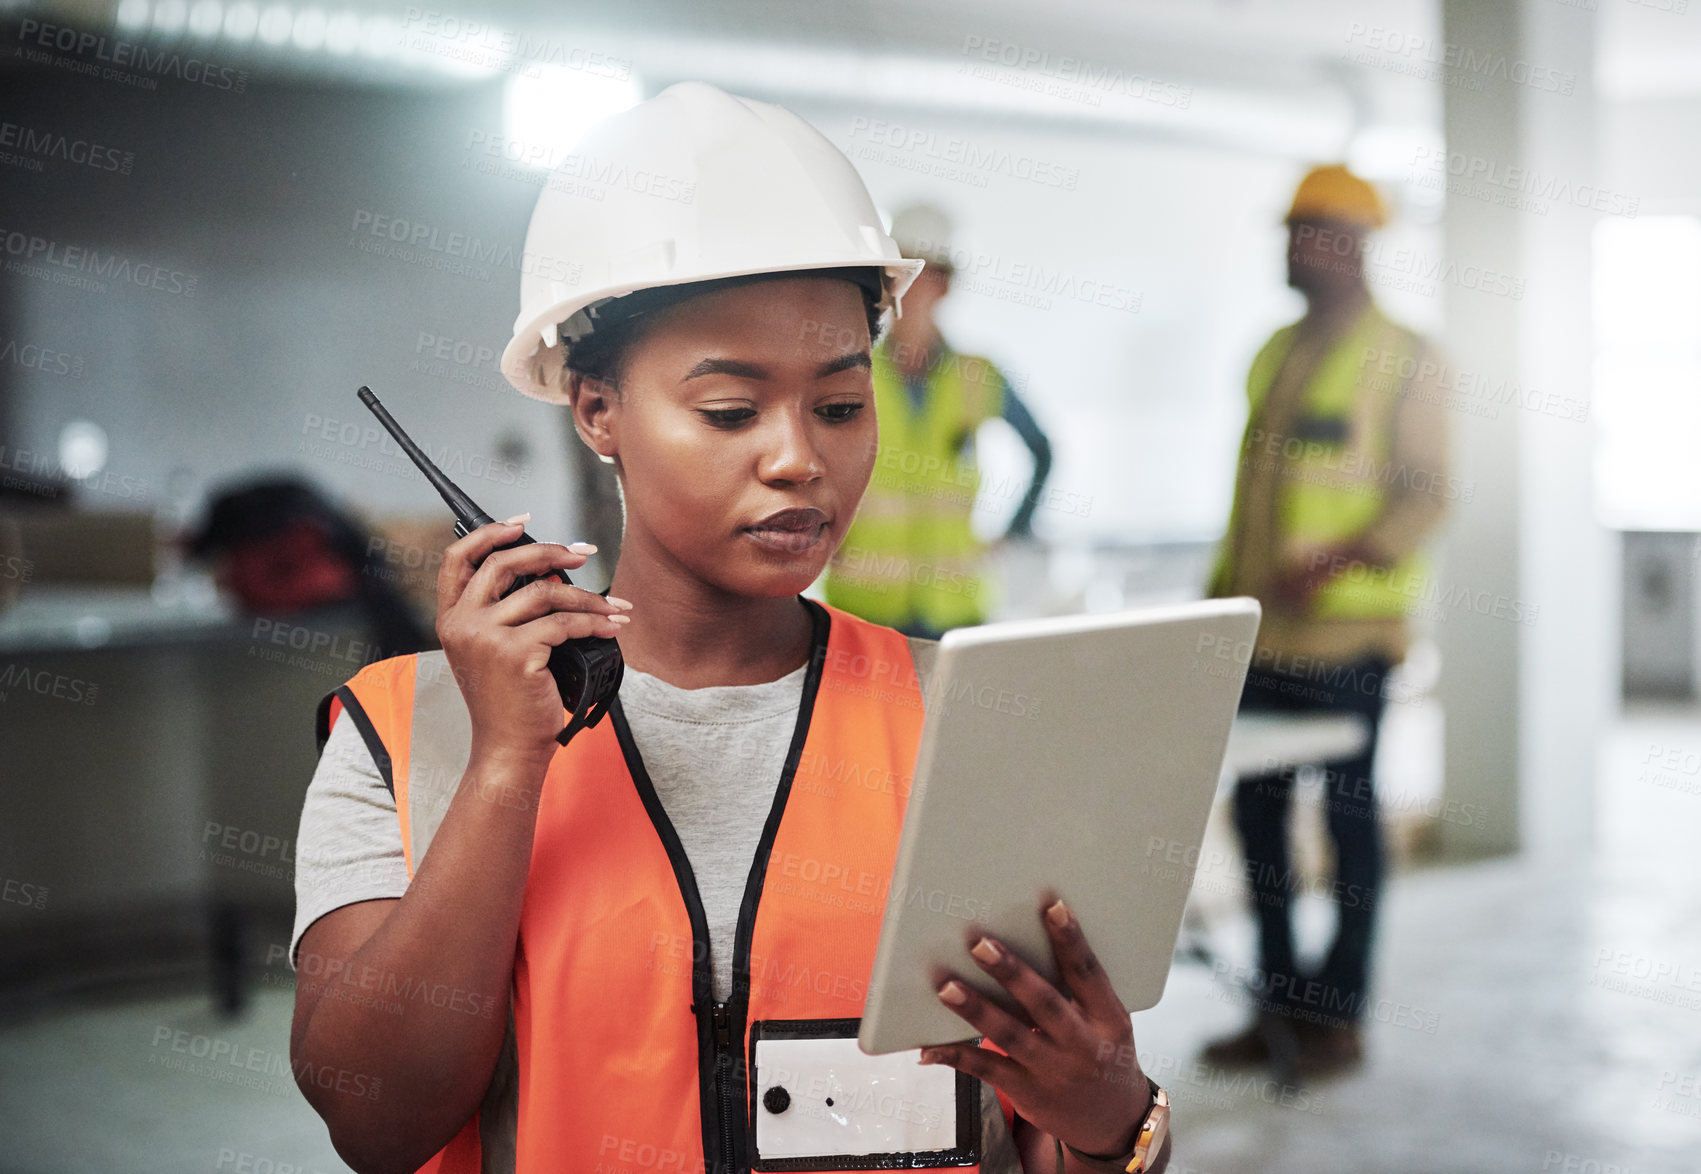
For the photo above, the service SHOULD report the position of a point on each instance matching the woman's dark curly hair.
(599, 354)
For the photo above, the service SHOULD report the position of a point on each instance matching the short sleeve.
(349, 848)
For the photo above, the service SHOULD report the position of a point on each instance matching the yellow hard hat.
(1334, 193)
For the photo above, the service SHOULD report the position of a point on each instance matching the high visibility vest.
(615, 1040)
(1336, 468)
(910, 553)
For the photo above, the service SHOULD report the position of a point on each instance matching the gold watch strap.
(1147, 1142)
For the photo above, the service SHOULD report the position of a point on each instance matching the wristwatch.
(1147, 1143)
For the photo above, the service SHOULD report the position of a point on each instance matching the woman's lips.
(787, 541)
(790, 531)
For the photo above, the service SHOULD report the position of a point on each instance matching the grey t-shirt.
(714, 756)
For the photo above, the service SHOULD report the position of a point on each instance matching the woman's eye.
(726, 417)
(842, 411)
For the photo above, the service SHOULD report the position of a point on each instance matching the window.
(1648, 373)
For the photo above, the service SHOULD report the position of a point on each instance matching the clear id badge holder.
(817, 1102)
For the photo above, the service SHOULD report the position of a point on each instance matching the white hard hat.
(923, 230)
(694, 184)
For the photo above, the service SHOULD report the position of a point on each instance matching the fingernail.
(582, 547)
(987, 951)
(1058, 914)
(953, 994)
(521, 519)
(619, 602)
(928, 1058)
(619, 619)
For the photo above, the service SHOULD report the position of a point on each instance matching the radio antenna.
(468, 517)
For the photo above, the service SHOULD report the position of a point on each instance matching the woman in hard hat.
(568, 980)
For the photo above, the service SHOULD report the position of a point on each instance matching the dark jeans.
(1336, 993)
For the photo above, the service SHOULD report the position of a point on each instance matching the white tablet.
(1078, 754)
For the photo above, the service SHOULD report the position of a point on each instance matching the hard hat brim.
(527, 354)
(1314, 216)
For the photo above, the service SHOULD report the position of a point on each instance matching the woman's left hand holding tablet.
(1069, 1066)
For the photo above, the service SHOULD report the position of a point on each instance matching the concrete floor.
(1540, 1018)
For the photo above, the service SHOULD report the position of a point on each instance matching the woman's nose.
(792, 455)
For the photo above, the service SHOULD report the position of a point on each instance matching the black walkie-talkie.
(587, 670)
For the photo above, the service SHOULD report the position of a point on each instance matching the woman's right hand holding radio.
(456, 925)
(499, 647)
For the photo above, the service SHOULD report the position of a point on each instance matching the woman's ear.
(593, 404)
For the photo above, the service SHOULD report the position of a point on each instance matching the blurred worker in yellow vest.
(910, 559)
(1342, 474)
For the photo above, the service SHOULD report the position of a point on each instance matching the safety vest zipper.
(726, 1081)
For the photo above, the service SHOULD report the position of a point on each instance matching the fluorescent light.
(276, 24)
(309, 29)
(380, 35)
(82, 449)
(206, 18)
(132, 15)
(342, 33)
(170, 16)
(553, 109)
(241, 21)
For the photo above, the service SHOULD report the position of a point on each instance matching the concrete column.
(1571, 565)
(1479, 686)
(1524, 687)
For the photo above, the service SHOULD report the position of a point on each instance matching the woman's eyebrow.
(843, 363)
(735, 367)
(741, 369)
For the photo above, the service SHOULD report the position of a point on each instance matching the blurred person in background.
(1342, 475)
(911, 560)
(281, 548)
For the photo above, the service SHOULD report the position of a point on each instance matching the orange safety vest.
(618, 1057)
